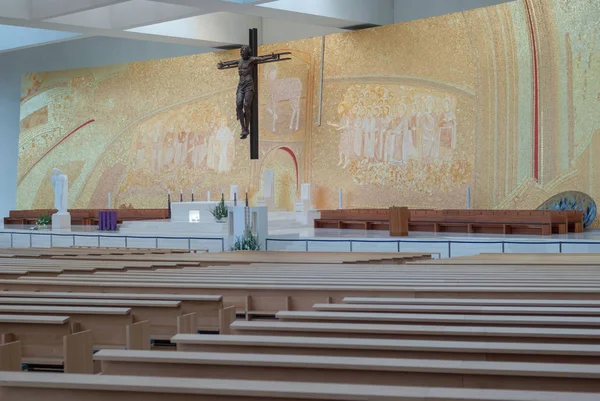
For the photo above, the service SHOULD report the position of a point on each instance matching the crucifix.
(246, 98)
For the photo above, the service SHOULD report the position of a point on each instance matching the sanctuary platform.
(286, 233)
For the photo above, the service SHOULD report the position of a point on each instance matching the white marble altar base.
(194, 212)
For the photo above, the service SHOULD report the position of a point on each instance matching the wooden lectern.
(399, 221)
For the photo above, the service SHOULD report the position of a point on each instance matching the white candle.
(246, 190)
(181, 191)
(468, 197)
(169, 192)
(208, 196)
(192, 190)
(109, 200)
(340, 198)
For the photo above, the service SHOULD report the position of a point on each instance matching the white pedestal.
(258, 221)
(308, 217)
(61, 221)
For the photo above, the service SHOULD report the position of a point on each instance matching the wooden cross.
(247, 91)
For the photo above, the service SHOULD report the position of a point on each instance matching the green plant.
(220, 211)
(43, 220)
(247, 242)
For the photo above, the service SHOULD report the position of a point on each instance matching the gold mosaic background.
(412, 114)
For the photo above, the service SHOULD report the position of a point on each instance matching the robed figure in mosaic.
(245, 89)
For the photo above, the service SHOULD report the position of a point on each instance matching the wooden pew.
(85, 217)
(110, 327)
(480, 302)
(458, 309)
(162, 315)
(211, 315)
(504, 221)
(45, 340)
(65, 387)
(264, 299)
(382, 280)
(413, 349)
(436, 319)
(246, 257)
(374, 371)
(419, 332)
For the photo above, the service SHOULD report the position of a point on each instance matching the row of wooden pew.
(535, 222)
(496, 328)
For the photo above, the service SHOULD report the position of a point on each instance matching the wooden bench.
(85, 217)
(356, 370)
(374, 280)
(247, 257)
(211, 315)
(458, 309)
(65, 387)
(481, 302)
(436, 319)
(261, 299)
(467, 221)
(162, 315)
(44, 340)
(417, 332)
(413, 349)
(110, 327)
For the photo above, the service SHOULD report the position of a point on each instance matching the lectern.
(399, 221)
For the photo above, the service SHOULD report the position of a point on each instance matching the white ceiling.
(212, 23)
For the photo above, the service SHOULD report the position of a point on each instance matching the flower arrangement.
(220, 212)
(43, 221)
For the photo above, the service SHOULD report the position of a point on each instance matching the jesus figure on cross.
(245, 89)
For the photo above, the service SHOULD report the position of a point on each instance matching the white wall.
(79, 53)
(408, 10)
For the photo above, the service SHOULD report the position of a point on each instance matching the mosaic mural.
(502, 99)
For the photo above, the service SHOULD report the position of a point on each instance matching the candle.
(468, 197)
(340, 196)
(169, 192)
(109, 200)
(208, 196)
(181, 191)
(192, 190)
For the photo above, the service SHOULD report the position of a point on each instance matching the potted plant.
(220, 212)
(43, 221)
(247, 242)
